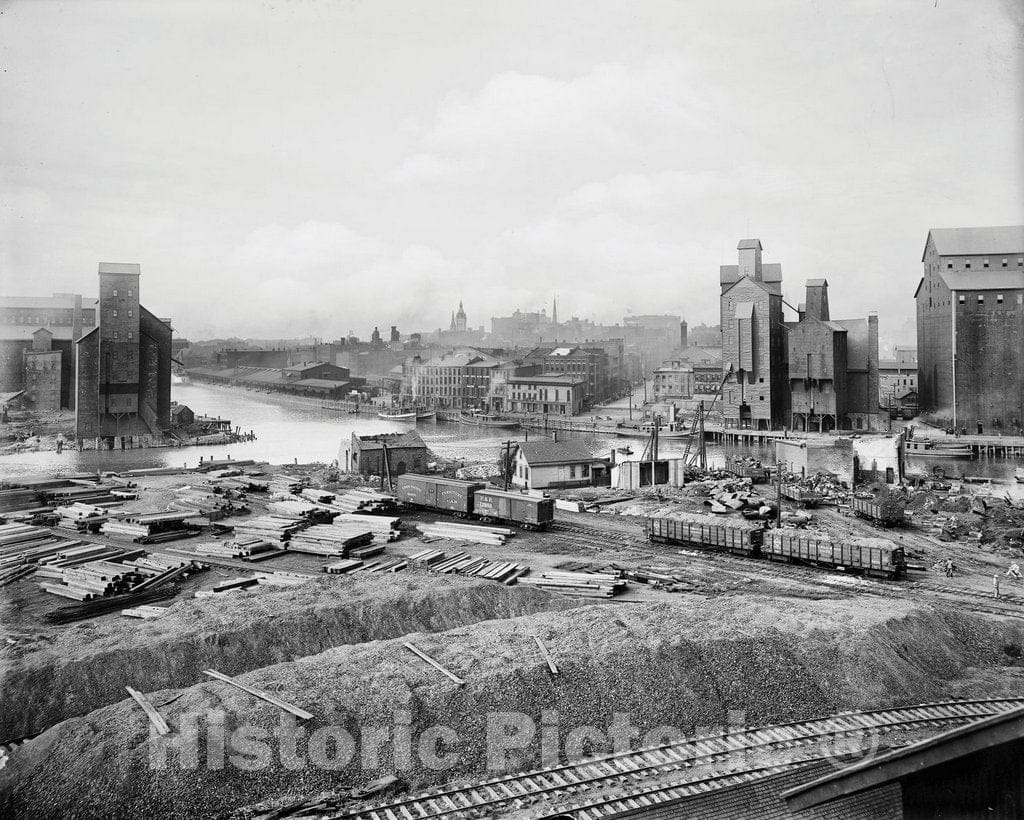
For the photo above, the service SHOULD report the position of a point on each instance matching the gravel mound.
(682, 665)
(88, 665)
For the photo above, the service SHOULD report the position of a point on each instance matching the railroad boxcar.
(437, 493)
(870, 556)
(757, 473)
(887, 512)
(740, 537)
(497, 505)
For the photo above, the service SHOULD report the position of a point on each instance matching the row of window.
(985, 263)
(962, 298)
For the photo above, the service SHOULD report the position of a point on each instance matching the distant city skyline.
(309, 168)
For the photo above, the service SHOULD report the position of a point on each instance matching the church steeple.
(554, 310)
(451, 327)
(460, 319)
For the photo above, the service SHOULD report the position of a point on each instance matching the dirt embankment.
(680, 665)
(87, 666)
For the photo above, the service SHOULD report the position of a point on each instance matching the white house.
(541, 464)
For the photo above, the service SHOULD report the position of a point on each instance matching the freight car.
(448, 494)
(742, 468)
(472, 499)
(805, 498)
(530, 512)
(739, 537)
(888, 512)
(874, 556)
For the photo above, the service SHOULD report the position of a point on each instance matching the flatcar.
(871, 556)
(739, 537)
(437, 493)
(757, 473)
(530, 512)
(887, 512)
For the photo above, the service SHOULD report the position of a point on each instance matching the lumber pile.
(325, 539)
(492, 536)
(145, 611)
(248, 548)
(24, 545)
(301, 510)
(199, 501)
(81, 517)
(578, 584)
(101, 606)
(388, 563)
(343, 567)
(93, 579)
(274, 529)
(285, 484)
(384, 529)
(368, 502)
(150, 528)
(464, 564)
(18, 498)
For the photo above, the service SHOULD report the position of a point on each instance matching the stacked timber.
(384, 564)
(150, 528)
(92, 494)
(578, 584)
(24, 545)
(317, 496)
(383, 529)
(285, 484)
(464, 564)
(425, 559)
(301, 510)
(274, 529)
(81, 517)
(366, 552)
(205, 502)
(282, 578)
(492, 536)
(369, 502)
(330, 540)
(18, 498)
(343, 567)
(248, 548)
(146, 611)
(94, 579)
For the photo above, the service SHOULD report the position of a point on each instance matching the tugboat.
(927, 448)
(398, 414)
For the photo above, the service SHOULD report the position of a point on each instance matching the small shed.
(406, 452)
(182, 415)
(553, 464)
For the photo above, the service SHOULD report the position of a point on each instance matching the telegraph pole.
(506, 470)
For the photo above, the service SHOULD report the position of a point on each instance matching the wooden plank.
(433, 663)
(301, 714)
(544, 653)
(154, 716)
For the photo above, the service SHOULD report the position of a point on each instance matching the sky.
(289, 169)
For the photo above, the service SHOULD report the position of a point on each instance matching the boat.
(665, 431)
(487, 420)
(927, 448)
(425, 415)
(398, 415)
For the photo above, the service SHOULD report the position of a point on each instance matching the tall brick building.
(970, 327)
(833, 367)
(124, 365)
(754, 351)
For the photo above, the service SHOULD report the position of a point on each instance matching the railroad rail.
(555, 788)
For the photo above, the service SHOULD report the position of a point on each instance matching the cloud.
(425, 169)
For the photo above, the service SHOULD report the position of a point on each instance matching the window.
(999, 298)
(115, 314)
(1005, 262)
(949, 265)
(129, 293)
(115, 291)
(585, 470)
(962, 299)
(130, 334)
(981, 298)
(115, 334)
(572, 471)
(985, 263)
(130, 313)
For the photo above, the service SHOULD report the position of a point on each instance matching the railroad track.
(554, 787)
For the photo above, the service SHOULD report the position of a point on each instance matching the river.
(288, 431)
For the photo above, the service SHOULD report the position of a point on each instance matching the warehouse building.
(556, 464)
(124, 366)
(548, 393)
(365, 455)
(756, 390)
(970, 328)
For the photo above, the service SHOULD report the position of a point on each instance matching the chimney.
(817, 300)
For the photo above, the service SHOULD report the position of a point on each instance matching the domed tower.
(460, 319)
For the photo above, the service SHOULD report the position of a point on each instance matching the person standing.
(995, 585)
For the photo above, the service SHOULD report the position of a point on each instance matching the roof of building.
(998, 279)
(948, 746)
(817, 283)
(749, 244)
(330, 384)
(178, 409)
(976, 241)
(771, 276)
(555, 452)
(130, 268)
(58, 300)
(304, 366)
(374, 442)
(546, 378)
(701, 356)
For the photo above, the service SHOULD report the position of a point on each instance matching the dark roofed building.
(406, 452)
(542, 464)
(970, 328)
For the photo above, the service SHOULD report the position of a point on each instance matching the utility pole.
(506, 470)
(778, 492)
